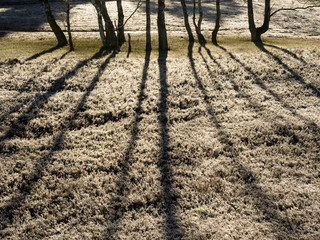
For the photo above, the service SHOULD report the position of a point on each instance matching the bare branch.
(138, 6)
(293, 9)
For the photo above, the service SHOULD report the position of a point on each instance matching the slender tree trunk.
(62, 40)
(257, 32)
(101, 28)
(121, 36)
(266, 21)
(194, 15)
(148, 26)
(100, 24)
(111, 37)
(162, 32)
(186, 21)
(200, 14)
(69, 27)
(252, 26)
(201, 38)
(217, 26)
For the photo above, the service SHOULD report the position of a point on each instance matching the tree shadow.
(18, 127)
(50, 50)
(260, 83)
(169, 196)
(25, 87)
(286, 51)
(234, 84)
(262, 200)
(30, 181)
(295, 75)
(258, 108)
(116, 212)
(201, 86)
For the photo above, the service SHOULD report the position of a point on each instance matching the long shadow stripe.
(37, 55)
(296, 76)
(16, 108)
(286, 51)
(33, 178)
(113, 214)
(259, 83)
(251, 184)
(19, 126)
(169, 196)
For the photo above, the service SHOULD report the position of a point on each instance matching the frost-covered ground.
(220, 143)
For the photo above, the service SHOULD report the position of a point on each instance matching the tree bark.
(100, 24)
(252, 25)
(201, 38)
(162, 32)
(101, 28)
(217, 26)
(148, 26)
(62, 40)
(121, 36)
(111, 37)
(266, 21)
(69, 27)
(200, 14)
(257, 32)
(186, 21)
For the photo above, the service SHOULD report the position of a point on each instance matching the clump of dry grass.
(216, 143)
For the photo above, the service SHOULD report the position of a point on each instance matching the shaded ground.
(215, 143)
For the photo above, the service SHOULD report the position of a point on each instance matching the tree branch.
(293, 9)
(138, 6)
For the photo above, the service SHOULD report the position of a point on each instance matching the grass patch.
(178, 44)
(204, 212)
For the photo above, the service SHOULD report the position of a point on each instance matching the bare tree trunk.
(266, 21)
(217, 26)
(257, 32)
(121, 37)
(162, 32)
(201, 38)
(186, 21)
(69, 27)
(200, 14)
(252, 26)
(111, 38)
(62, 40)
(100, 23)
(101, 28)
(148, 26)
